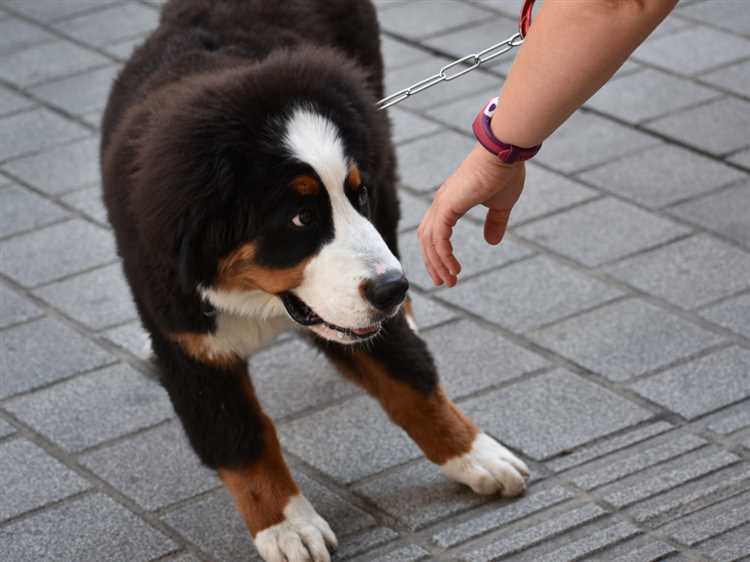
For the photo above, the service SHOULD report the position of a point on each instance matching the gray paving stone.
(552, 413)
(89, 202)
(425, 163)
(22, 210)
(98, 299)
(742, 158)
(81, 93)
(31, 478)
(294, 376)
(545, 192)
(715, 520)
(664, 477)
(503, 514)
(620, 229)
(586, 140)
(473, 39)
(397, 54)
(729, 15)
(525, 538)
(418, 495)
(122, 50)
(213, 523)
(594, 541)
(412, 210)
(55, 251)
(409, 553)
(359, 440)
(131, 337)
(408, 126)
(734, 545)
(41, 129)
(689, 273)
(48, 61)
(470, 358)
(701, 386)
(51, 10)
(42, 352)
(644, 549)
(15, 308)
(94, 408)
(648, 94)
(6, 429)
(365, 541)
(526, 295)
(61, 169)
(723, 125)
(417, 20)
(428, 313)
(597, 450)
(11, 102)
(625, 339)
(443, 93)
(16, 35)
(661, 176)
(735, 78)
(111, 24)
(693, 50)
(693, 496)
(730, 420)
(722, 212)
(473, 253)
(91, 528)
(460, 114)
(618, 466)
(155, 468)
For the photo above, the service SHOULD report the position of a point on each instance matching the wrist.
(487, 137)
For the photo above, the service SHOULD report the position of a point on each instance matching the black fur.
(192, 168)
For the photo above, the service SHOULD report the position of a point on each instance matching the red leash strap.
(524, 21)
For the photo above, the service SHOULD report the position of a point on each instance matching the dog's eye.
(363, 202)
(304, 218)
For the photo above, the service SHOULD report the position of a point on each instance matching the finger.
(437, 265)
(441, 239)
(423, 243)
(495, 225)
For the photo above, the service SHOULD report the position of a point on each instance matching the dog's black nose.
(386, 291)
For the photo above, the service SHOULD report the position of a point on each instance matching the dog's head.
(257, 186)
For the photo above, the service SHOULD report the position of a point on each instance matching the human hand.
(480, 179)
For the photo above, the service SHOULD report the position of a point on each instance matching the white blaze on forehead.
(313, 139)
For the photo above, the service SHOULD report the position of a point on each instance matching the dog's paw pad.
(488, 468)
(303, 536)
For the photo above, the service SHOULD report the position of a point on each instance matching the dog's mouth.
(306, 316)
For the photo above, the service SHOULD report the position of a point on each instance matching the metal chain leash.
(471, 62)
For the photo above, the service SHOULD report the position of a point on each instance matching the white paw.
(489, 468)
(304, 536)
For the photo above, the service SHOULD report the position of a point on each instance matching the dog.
(251, 185)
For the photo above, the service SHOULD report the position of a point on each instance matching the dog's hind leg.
(229, 431)
(397, 369)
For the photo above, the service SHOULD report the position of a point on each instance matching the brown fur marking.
(305, 185)
(199, 348)
(354, 180)
(239, 272)
(262, 490)
(440, 429)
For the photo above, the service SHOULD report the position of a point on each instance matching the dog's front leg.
(229, 431)
(397, 369)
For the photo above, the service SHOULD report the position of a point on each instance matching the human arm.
(571, 50)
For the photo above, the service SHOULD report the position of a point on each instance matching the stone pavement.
(607, 341)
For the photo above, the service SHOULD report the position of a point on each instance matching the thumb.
(495, 225)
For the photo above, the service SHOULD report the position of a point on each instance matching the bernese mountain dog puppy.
(251, 185)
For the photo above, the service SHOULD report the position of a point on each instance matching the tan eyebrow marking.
(354, 180)
(305, 185)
